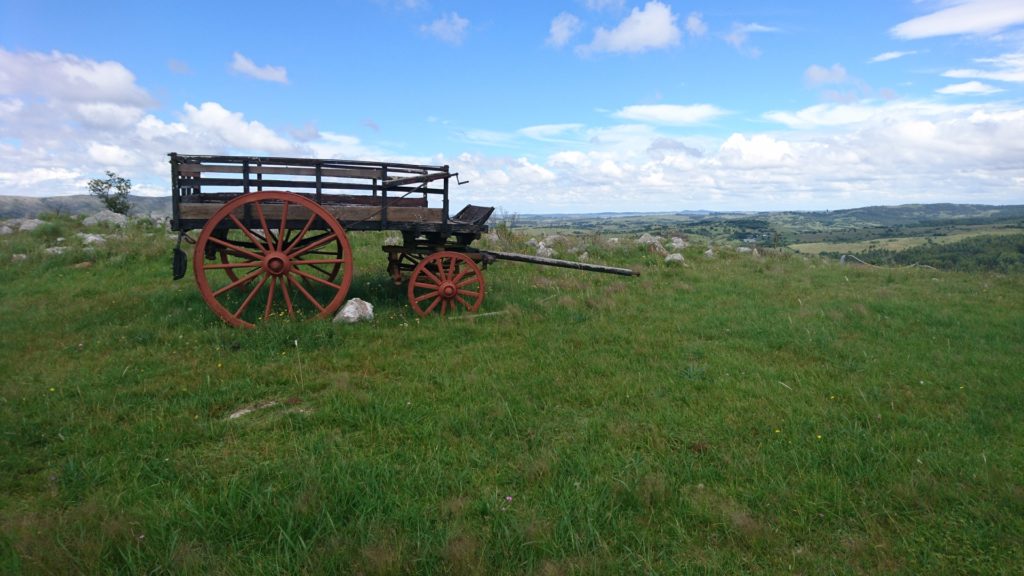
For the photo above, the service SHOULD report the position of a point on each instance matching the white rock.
(532, 243)
(646, 238)
(553, 238)
(91, 238)
(675, 257)
(355, 310)
(744, 249)
(710, 253)
(106, 217)
(584, 257)
(19, 257)
(5, 230)
(545, 252)
(613, 240)
(29, 224)
(678, 243)
(54, 250)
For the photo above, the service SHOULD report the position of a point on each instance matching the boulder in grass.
(5, 230)
(106, 217)
(91, 238)
(710, 253)
(29, 224)
(744, 249)
(355, 310)
(675, 258)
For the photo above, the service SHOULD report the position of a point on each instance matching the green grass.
(765, 415)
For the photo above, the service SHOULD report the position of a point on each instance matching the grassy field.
(760, 415)
(901, 243)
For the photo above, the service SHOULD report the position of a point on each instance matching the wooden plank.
(300, 214)
(197, 169)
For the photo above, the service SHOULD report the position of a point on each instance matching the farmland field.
(765, 414)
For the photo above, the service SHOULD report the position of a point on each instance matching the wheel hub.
(448, 290)
(277, 263)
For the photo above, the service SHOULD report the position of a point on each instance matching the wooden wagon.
(273, 234)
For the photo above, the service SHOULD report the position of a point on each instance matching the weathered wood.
(197, 169)
(224, 197)
(299, 214)
(558, 263)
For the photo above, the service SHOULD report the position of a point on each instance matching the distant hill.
(29, 207)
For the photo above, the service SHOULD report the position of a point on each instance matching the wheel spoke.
(239, 282)
(319, 242)
(301, 262)
(425, 285)
(283, 228)
(427, 295)
(287, 297)
(468, 293)
(474, 279)
(231, 265)
(270, 298)
(306, 294)
(432, 306)
(444, 306)
(248, 299)
(431, 275)
(238, 249)
(245, 230)
(316, 279)
(266, 229)
(301, 233)
(463, 302)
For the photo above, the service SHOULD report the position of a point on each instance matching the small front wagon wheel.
(446, 282)
(280, 253)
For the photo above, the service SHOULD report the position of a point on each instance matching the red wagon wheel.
(446, 282)
(280, 253)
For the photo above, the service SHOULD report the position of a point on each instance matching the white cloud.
(740, 33)
(212, 120)
(672, 114)
(65, 77)
(816, 75)
(11, 106)
(36, 176)
(450, 28)
(108, 155)
(695, 25)
(243, 65)
(649, 28)
(887, 56)
(759, 150)
(972, 87)
(1003, 68)
(107, 115)
(978, 17)
(152, 128)
(549, 132)
(563, 28)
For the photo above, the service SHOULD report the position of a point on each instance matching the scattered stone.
(678, 243)
(54, 250)
(553, 239)
(19, 257)
(653, 243)
(106, 217)
(646, 238)
(355, 310)
(710, 253)
(91, 238)
(531, 243)
(744, 249)
(5, 230)
(842, 259)
(29, 224)
(674, 257)
(584, 257)
(756, 253)
(83, 265)
(613, 240)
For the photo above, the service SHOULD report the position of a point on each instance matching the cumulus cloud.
(66, 77)
(450, 28)
(230, 128)
(563, 28)
(978, 17)
(550, 132)
(672, 114)
(243, 65)
(604, 4)
(649, 28)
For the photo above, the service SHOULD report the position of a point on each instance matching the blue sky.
(559, 106)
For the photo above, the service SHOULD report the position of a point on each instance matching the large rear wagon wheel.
(276, 253)
(446, 282)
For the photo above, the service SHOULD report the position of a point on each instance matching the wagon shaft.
(490, 256)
